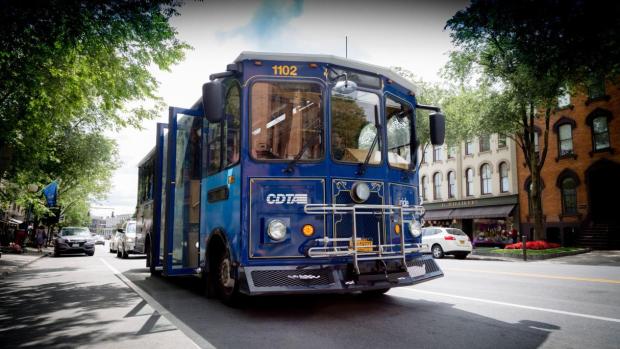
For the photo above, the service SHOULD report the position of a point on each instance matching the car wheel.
(461, 255)
(118, 253)
(437, 251)
(90, 254)
(226, 283)
(56, 254)
(125, 255)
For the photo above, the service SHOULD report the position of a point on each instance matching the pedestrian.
(40, 237)
(514, 235)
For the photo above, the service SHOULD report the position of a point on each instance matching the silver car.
(127, 241)
(114, 241)
(74, 240)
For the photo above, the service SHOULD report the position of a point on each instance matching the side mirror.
(213, 101)
(345, 87)
(437, 123)
(119, 230)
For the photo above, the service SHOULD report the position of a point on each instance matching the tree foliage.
(522, 55)
(69, 70)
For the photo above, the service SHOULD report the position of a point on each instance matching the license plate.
(462, 242)
(363, 245)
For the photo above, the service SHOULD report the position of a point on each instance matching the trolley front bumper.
(333, 278)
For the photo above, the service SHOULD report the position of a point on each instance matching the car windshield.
(454, 231)
(131, 229)
(83, 232)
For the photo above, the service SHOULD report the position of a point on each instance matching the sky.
(407, 34)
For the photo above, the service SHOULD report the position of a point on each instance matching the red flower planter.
(533, 245)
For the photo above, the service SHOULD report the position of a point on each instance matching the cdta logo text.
(279, 199)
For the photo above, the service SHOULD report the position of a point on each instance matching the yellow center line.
(542, 276)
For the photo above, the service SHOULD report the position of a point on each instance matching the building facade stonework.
(581, 174)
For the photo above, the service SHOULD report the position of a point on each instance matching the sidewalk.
(12, 262)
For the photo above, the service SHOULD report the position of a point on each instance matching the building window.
(596, 89)
(600, 133)
(485, 179)
(424, 187)
(502, 141)
(437, 186)
(427, 153)
(504, 186)
(452, 152)
(569, 196)
(469, 147)
(469, 179)
(565, 139)
(485, 143)
(437, 153)
(451, 184)
(564, 99)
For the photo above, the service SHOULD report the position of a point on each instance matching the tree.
(77, 66)
(524, 54)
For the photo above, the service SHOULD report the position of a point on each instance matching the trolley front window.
(287, 121)
(399, 117)
(354, 127)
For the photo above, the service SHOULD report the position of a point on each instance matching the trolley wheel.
(375, 293)
(149, 260)
(226, 283)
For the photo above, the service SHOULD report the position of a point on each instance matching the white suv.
(441, 241)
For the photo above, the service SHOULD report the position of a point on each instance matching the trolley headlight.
(416, 228)
(360, 192)
(276, 230)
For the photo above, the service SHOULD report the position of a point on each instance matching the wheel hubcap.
(436, 252)
(225, 278)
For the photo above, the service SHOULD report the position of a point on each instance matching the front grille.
(275, 278)
(428, 263)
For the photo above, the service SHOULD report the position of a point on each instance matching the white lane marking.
(587, 316)
(197, 339)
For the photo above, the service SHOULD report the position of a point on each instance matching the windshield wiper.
(310, 142)
(362, 167)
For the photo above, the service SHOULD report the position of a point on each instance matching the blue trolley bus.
(293, 173)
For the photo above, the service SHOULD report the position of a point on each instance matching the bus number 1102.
(286, 70)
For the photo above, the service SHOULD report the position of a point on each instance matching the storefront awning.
(15, 221)
(500, 211)
(437, 215)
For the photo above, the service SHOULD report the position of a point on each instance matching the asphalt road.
(92, 301)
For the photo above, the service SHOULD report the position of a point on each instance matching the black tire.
(124, 253)
(118, 253)
(56, 254)
(375, 293)
(149, 259)
(461, 255)
(90, 254)
(225, 280)
(437, 251)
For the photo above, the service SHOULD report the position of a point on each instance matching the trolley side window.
(224, 138)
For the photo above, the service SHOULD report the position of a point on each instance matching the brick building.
(581, 175)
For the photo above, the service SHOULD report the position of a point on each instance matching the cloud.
(268, 22)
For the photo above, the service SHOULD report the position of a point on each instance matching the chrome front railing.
(345, 247)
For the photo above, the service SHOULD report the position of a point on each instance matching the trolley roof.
(329, 59)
